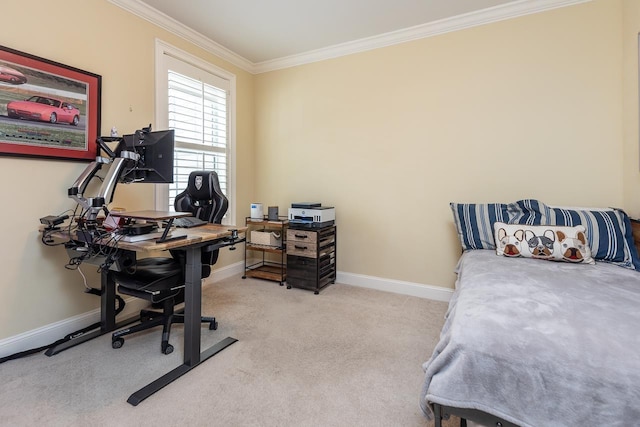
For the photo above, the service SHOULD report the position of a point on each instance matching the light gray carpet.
(347, 357)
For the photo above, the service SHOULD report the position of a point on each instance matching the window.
(198, 113)
(195, 99)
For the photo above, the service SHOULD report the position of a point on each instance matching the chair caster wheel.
(168, 349)
(288, 287)
(213, 325)
(117, 343)
(244, 277)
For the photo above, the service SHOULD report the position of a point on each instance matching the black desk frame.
(107, 317)
(192, 314)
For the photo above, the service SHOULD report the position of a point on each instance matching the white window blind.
(198, 113)
(197, 100)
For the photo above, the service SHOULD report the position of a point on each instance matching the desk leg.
(169, 377)
(192, 325)
(192, 306)
(107, 301)
(107, 317)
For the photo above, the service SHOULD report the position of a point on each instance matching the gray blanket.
(540, 343)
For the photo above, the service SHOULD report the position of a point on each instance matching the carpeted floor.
(347, 357)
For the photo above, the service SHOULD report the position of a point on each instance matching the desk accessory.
(257, 211)
(273, 213)
(53, 220)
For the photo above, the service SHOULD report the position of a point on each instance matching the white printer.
(311, 215)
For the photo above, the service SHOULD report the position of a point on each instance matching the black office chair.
(161, 280)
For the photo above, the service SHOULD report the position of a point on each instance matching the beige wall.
(96, 36)
(541, 106)
(528, 107)
(631, 182)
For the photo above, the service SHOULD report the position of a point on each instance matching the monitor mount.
(93, 205)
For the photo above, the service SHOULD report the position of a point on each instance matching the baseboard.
(435, 293)
(230, 270)
(50, 333)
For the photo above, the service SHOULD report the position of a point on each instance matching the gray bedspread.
(540, 343)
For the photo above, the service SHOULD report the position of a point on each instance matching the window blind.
(199, 114)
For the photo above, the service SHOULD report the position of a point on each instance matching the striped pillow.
(474, 223)
(608, 230)
(529, 212)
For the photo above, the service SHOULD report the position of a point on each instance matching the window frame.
(163, 50)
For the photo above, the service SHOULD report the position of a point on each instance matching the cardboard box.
(268, 238)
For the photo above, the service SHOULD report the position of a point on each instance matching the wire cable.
(95, 246)
(73, 335)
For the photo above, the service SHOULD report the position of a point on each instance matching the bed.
(531, 342)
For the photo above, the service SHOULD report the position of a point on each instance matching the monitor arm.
(94, 205)
(105, 195)
(76, 191)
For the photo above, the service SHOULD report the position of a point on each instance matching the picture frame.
(47, 109)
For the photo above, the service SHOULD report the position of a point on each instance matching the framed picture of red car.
(47, 109)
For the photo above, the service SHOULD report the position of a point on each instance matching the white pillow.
(550, 242)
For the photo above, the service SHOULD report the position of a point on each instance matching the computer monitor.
(156, 156)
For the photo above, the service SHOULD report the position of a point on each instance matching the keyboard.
(188, 222)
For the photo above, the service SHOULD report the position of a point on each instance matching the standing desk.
(195, 238)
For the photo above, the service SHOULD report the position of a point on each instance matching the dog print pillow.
(549, 242)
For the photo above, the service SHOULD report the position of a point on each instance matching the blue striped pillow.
(474, 223)
(608, 230)
(529, 212)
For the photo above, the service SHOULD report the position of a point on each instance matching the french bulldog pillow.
(549, 242)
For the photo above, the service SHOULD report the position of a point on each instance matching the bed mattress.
(540, 343)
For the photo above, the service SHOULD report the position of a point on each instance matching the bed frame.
(635, 228)
(442, 412)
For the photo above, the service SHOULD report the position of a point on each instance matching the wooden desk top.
(195, 235)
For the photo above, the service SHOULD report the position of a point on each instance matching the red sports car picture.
(44, 109)
(9, 75)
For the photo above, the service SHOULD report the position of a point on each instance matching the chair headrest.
(202, 185)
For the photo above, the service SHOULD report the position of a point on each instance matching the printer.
(311, 215)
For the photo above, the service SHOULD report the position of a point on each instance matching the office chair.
(161, 280)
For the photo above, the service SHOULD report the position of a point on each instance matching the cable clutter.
(142, 156)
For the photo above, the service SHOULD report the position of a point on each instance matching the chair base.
(150, 319)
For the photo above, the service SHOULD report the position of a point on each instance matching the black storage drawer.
(298, 282)
(312, 284)
(300, 266)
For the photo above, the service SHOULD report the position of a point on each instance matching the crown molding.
(456, 23)
(154, 16)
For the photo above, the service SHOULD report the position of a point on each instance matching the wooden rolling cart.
(266, 259)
